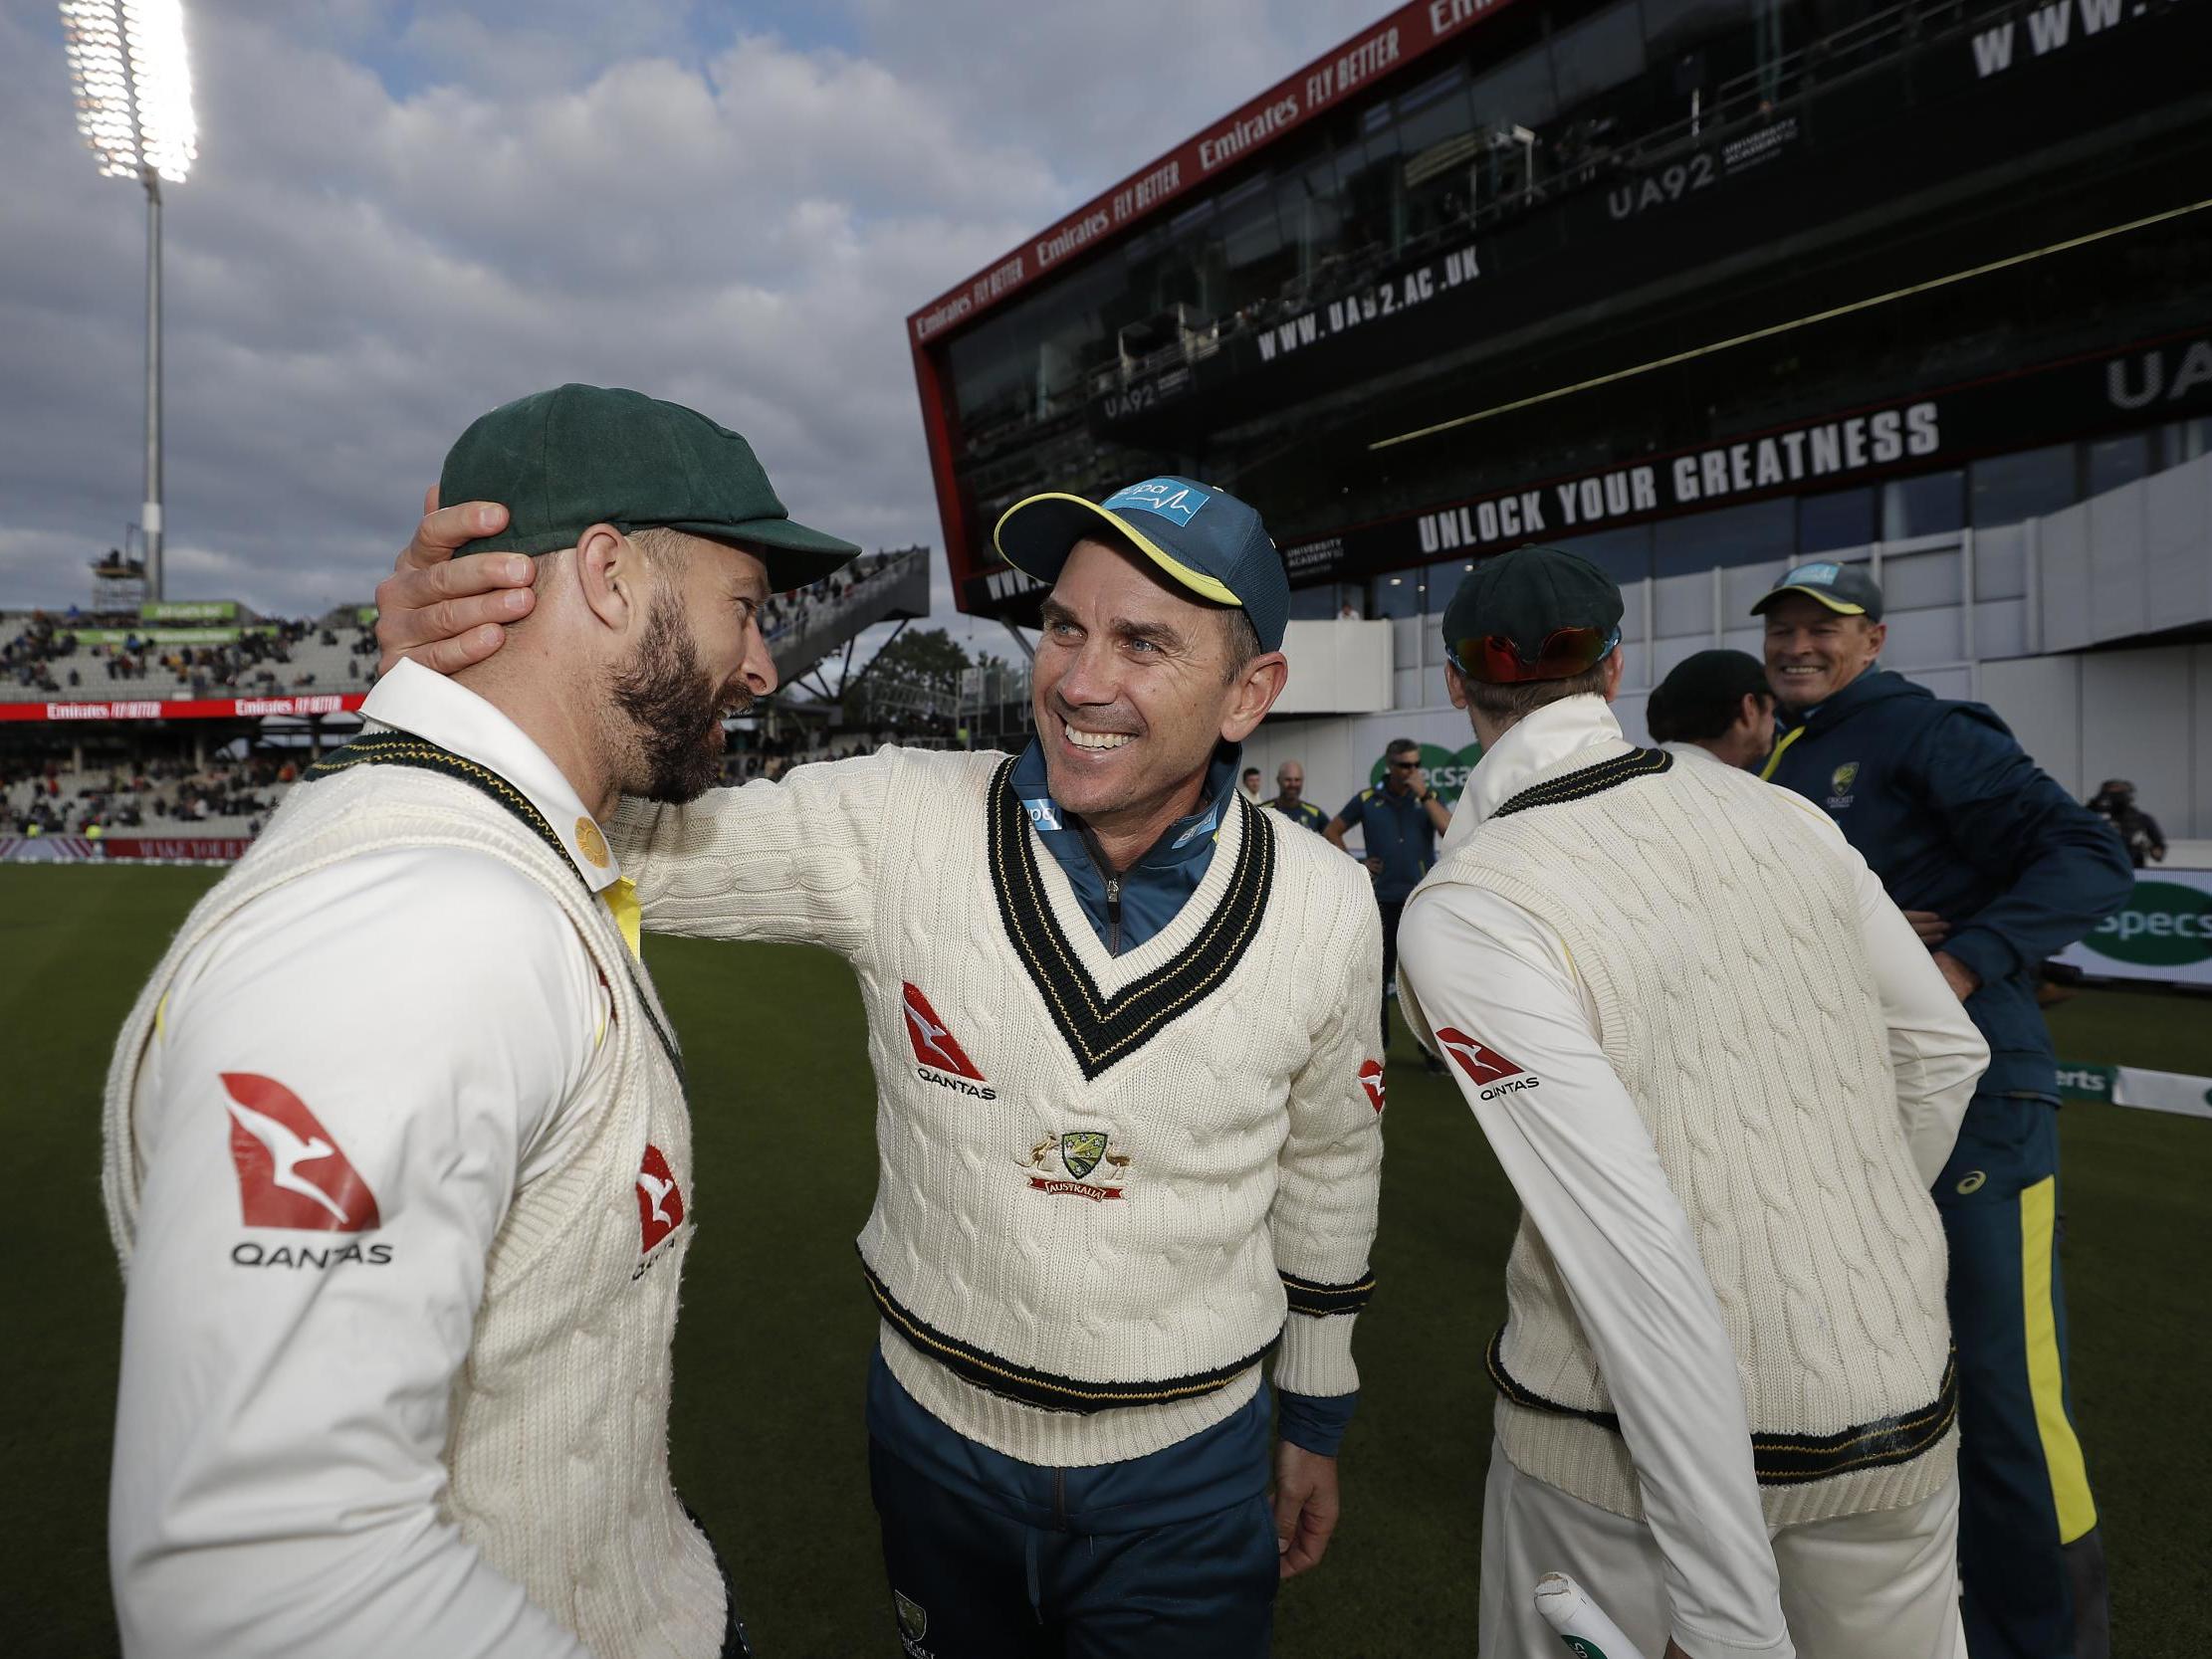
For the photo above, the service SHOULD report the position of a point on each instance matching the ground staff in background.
(1719, 1070)
(1128, 1106)
(1998, 867)
(1291, 798)
(1399, 821)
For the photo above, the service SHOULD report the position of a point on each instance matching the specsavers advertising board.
(2164, 932)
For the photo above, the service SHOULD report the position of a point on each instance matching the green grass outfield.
(777, 1325)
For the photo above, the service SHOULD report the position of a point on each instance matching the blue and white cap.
(1202, 538)
(1844, 589)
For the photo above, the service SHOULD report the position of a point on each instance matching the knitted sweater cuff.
(1316, 1355)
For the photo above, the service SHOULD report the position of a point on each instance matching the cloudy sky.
(404, 214)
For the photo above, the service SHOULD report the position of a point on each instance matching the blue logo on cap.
(1168, 497)
(1818, 574)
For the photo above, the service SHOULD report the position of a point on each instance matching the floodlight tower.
(133, 90)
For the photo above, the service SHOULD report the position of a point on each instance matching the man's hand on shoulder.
(447, 613)
(1305, 1506)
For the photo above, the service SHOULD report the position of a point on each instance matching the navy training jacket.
(1955, 818)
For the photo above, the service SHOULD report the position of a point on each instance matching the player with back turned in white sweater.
(1128, 1141)
(1720, 1071)
(398, 1156)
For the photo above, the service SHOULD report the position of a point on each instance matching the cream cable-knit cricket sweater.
(1101, 1181)
(1773, 1109)
(557, 1434)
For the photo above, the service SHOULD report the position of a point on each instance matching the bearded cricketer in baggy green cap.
(398, 1156)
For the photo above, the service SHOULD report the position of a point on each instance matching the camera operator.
(2147, 842)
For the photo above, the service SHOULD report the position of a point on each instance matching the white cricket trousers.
(1860, 1587)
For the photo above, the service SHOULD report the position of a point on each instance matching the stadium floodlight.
(133, 87)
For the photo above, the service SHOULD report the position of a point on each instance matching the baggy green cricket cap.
(562, 461)
(1522, 598)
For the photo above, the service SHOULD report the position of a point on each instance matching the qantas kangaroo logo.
(932, 1044)
(660, 1199)
(660, 1203)
(1483, 1065)
(291, 1173)
(1371, 1079)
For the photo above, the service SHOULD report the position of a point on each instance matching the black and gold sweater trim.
(1100, 1030)
(401, 748)
(1787, 1459)
(996, 1375)
(1590, 780)
(1318, 1301)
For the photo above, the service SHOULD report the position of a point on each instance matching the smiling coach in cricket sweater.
(1129, 1144)
(1997, 868)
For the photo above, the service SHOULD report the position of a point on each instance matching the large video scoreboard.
(1685, 282)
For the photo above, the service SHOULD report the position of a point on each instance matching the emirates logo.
(291, 1173)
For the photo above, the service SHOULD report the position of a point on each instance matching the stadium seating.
(296, 660)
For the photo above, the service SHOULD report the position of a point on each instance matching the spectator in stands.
(2147, 842)
(1718, 702)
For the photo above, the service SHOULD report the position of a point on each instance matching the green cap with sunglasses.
(1535, 613)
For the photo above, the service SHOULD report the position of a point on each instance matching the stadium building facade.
(1698, 286)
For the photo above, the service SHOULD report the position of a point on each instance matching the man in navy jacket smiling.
(1997, 868)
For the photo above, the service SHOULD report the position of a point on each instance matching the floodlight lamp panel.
(162, 79)
(133, 84)
(93, 35)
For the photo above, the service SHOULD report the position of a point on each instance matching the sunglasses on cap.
(1566, 652)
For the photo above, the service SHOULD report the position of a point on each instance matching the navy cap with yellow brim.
(564, 460)
(1203, 540)
(1844, 589)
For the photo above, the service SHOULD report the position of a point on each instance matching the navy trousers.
(972, 1582)
(1393, 911)
(2030, 1558)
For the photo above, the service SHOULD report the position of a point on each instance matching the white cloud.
(405, 215)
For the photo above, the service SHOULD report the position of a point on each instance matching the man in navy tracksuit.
(1997, 868)
(1400, 820)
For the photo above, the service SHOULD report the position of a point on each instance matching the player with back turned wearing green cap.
(398, 1155)
(1718, 1069)
(1129, 1141)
